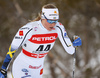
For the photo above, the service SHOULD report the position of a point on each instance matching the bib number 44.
(42, 48)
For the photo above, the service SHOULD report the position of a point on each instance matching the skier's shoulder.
(59, 25)
(26, 28)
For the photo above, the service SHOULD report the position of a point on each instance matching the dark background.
(80, 17)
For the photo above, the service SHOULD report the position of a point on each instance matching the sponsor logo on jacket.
(43, 38)
(34, 67)
(26, 72)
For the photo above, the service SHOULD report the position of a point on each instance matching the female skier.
(36, 39)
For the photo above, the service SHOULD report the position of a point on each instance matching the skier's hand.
(77, 41)
(3, 73)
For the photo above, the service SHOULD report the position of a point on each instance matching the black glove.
(3, 73)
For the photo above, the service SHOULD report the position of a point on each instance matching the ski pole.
(74, 61)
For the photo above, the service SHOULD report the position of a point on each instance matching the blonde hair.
(45, 6)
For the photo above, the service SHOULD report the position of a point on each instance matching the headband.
(50, 13)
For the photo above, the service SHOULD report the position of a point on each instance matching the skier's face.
(49, 26)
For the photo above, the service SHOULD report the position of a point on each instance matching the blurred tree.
(80, 17)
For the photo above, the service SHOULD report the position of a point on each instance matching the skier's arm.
(64, 39)
(17, 42)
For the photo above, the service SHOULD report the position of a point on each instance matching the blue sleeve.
(8, 58)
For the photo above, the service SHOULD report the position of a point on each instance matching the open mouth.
(51, 27)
